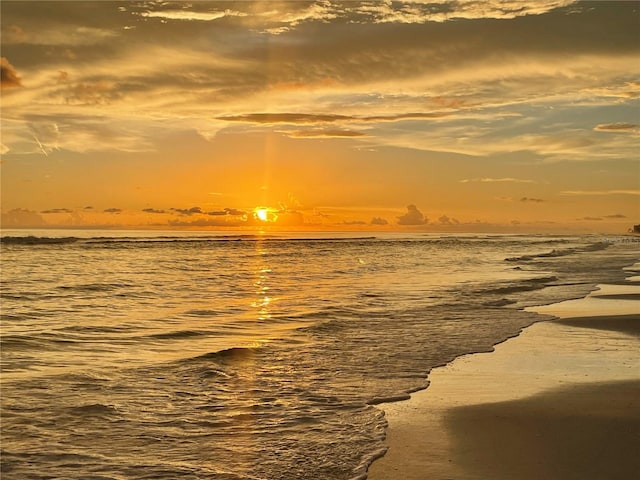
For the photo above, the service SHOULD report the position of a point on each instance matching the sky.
(467, 115)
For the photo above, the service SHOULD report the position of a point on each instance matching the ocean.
(182, 355)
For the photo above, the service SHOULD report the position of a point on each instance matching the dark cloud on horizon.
(412, 217)
(21, 217)
(212, 213)
(57, 210)
(207, 222)
(227, 211)
(112, 210)
(187, 211)
(152, 210)
(446, 220)
(379, 221)
(531, 200)
(617, 215)
(235, 211)
(353, 222)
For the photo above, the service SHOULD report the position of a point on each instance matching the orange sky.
(461, 116)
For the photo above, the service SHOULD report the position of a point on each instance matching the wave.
(594, 247)
(33, 342)
(226, 355)
(32, 240)
(524, 286)
(180, 334)
(500, 302)
(96, 287)
(95, 410)
(35, 240)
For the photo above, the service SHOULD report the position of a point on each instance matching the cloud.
(617, 215)
(496, 180)
(20, 217)
(599, 192)
(65, 35)
(8, 75)
(383, 73)
(276, 21)
(101, 92)
(235, 211)
(112, 210)
(379, 221)
(57, 210)
(191, 15)
(328, 133)
(592, 219)
(310, 118)
(208, 222)
(531, 200)
(617, 127)
(445, 220)
(422, 11)
(353, 222)
(152, 210)
(292, 118)
(187, 211)
(290, 218)
(40, 133)
(624, 91)
(412, 217)
(226, 211)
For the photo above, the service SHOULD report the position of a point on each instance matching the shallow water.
(164, 355)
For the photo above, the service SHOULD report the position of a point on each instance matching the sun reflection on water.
(263, 301)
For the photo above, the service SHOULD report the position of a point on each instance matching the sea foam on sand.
(557, 402)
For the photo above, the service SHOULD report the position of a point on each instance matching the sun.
(261, 214)
(265, 214)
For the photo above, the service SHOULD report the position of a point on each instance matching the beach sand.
(560, 401)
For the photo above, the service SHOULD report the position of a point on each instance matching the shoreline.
(549, 389)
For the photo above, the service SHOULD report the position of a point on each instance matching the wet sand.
(576, 432)
(560, 401)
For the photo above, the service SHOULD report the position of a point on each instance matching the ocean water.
(164, 355)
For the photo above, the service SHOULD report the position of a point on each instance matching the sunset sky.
(435, 115)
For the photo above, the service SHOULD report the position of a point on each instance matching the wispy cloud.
(327, 133)
(496, 180)
(422, 11)
(618, 127)
(310, 118)
(600, 192)
(191, 15)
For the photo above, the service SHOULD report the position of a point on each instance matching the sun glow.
(265, 214)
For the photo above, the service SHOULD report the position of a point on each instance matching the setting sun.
(265, 214)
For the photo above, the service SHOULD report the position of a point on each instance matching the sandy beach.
(560, 401)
